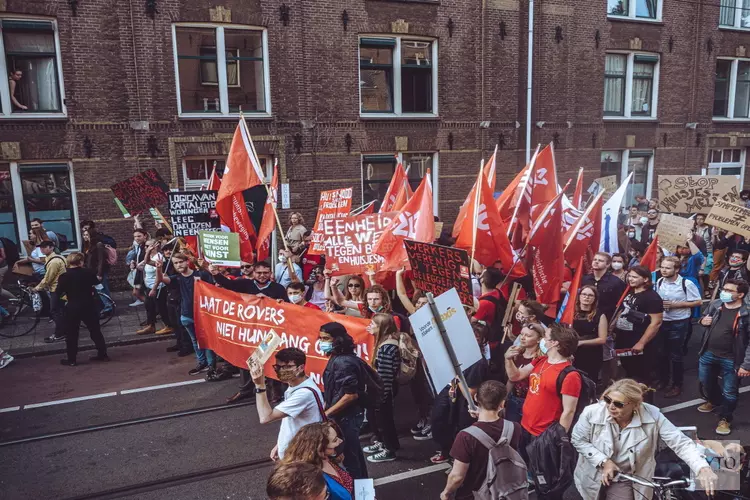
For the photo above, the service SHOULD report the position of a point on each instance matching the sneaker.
(212, 375)
(706, 407)
(198, 369)
(165, 331)
(439, 458)
(383, 456)
(6, 360)
(375, 447)
(138, 302)
(149, 330)
(724, 427)
(54, 338)
(143, 323)
(417, 429)
(425, 436)
(99, 357)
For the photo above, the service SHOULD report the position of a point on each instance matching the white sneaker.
(6, 360)
(138, 302)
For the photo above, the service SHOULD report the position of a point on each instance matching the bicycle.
(664, 487)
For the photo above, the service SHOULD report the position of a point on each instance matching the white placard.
(364, 489)
(285, 200)
(459, 332)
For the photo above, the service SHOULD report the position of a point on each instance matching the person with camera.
(637, 323)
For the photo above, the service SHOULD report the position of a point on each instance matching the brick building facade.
(334, 89)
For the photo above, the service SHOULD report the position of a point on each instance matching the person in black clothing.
(609, 287)
(637, 322)
(591, 325)
(183, 345)
(77, 284)
(649, 228)
(262, 286)
(345, 382)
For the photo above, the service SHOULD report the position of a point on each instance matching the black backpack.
(107, 240)
(63, 242)
(588, 390)
(496, 328)
(11, 251)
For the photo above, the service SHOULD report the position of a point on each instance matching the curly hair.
(309, 444)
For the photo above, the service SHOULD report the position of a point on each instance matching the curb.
(117, 343)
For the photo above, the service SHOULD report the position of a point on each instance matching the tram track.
(124, 423)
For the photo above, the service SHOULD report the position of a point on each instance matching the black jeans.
(89, 315)
(156, 305)
(354, 459)
(182, 338)
(671, 339)
(421, 392)
(385, 425)
(161, 305)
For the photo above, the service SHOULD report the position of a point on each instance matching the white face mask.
(617, 266)
(282, 258)
(295, 299)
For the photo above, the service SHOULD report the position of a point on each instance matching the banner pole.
(476, 214)
(451, 352)
(164, 219)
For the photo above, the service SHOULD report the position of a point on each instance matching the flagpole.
(523, 191)
(582, 219)
(476, 213)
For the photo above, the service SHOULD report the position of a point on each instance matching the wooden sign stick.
(509, 310)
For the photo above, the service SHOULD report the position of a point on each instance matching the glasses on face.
(354, 285)
(246, 267)
(617, 404)
(588, 295)
(284, 367)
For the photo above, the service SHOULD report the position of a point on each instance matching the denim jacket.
(741, 333)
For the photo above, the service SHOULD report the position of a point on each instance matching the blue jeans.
(514, 408)
(205, 356)
(354, 459)
(671, 341)
(710, 368)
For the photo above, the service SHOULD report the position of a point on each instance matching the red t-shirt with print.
(543, 406)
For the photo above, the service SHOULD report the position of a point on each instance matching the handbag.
(131, 278)
(637, 317)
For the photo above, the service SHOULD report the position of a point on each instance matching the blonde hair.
(632, 390)
(75, 259)
(299, 217)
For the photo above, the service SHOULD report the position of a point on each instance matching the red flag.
(546, 238)
(402, 197)
(394, 188)
(414, 222)
(242, 170)
(269, 217)
(483, 233)
(369, 209)
(214, 184)
(568, 310)
(585, 234)
(578, 193)
(489, 171)
(505, 203)
(649, 256)
(543, 184)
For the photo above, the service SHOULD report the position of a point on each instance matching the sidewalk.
(119, 331)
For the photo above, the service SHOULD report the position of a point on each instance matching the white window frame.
(194, 185)
(737, 25)
(624, 166)
(722, 165)
(631, 13)
(7, 109)
(400, 159)
(221, 66)
(732, 90)
(396, 58)
(627, 108)
(21, 223)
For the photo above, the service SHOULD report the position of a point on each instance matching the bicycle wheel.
(23, 320)
(108, 308)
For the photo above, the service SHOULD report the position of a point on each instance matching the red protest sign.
(141, 192)
(349, 242)
(233, 324)
(437, 269)
(334, 204)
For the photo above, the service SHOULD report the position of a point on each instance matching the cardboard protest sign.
(220, 248)
(607, 183)
(690, 194)
(431, 343)
(334, 204)
(731, 217)
(673, 230)
(142, 191)
(437, 269)
(438, 229)
(349, 242)
(193, 211)
(233, 325)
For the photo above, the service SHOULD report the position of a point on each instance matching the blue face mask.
(543, 346)
(726, 297)
(326, 346)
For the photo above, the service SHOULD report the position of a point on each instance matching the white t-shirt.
(37, 254)
(149, 271)
(301, 409)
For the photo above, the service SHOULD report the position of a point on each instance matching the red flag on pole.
(585, 234)
(507, 200)
(394, 188)
(490, 172)
(568, 309)
(242, 170)
(269, 217)
(214, 184)
(543, 187)
(546, 239)
(649, 256)
(578, 193)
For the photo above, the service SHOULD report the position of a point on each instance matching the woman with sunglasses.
(621, 433)
(316, 444)
(592, 328)
(352, 299)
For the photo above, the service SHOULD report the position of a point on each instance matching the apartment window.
(377, 171)
(735, 14)
(732, 89)
(630, 85)
(221, 70)
(730, 161)
(397, 76)
(197, 172)
(622, 163)
(44, 191)
(635, 9)
(31, 60)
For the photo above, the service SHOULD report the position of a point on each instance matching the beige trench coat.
(593, 437)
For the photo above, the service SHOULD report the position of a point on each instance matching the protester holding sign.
(418, 299)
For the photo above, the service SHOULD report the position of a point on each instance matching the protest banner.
(193, 211)
(142, 191)
(608, 184)
(437, 269)
(349, 242)
(220, 248)
(333, 204)
(233, 325)
(122, 208)
(673, 230)
(689, 194)
(731, 217)
(457, 330)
